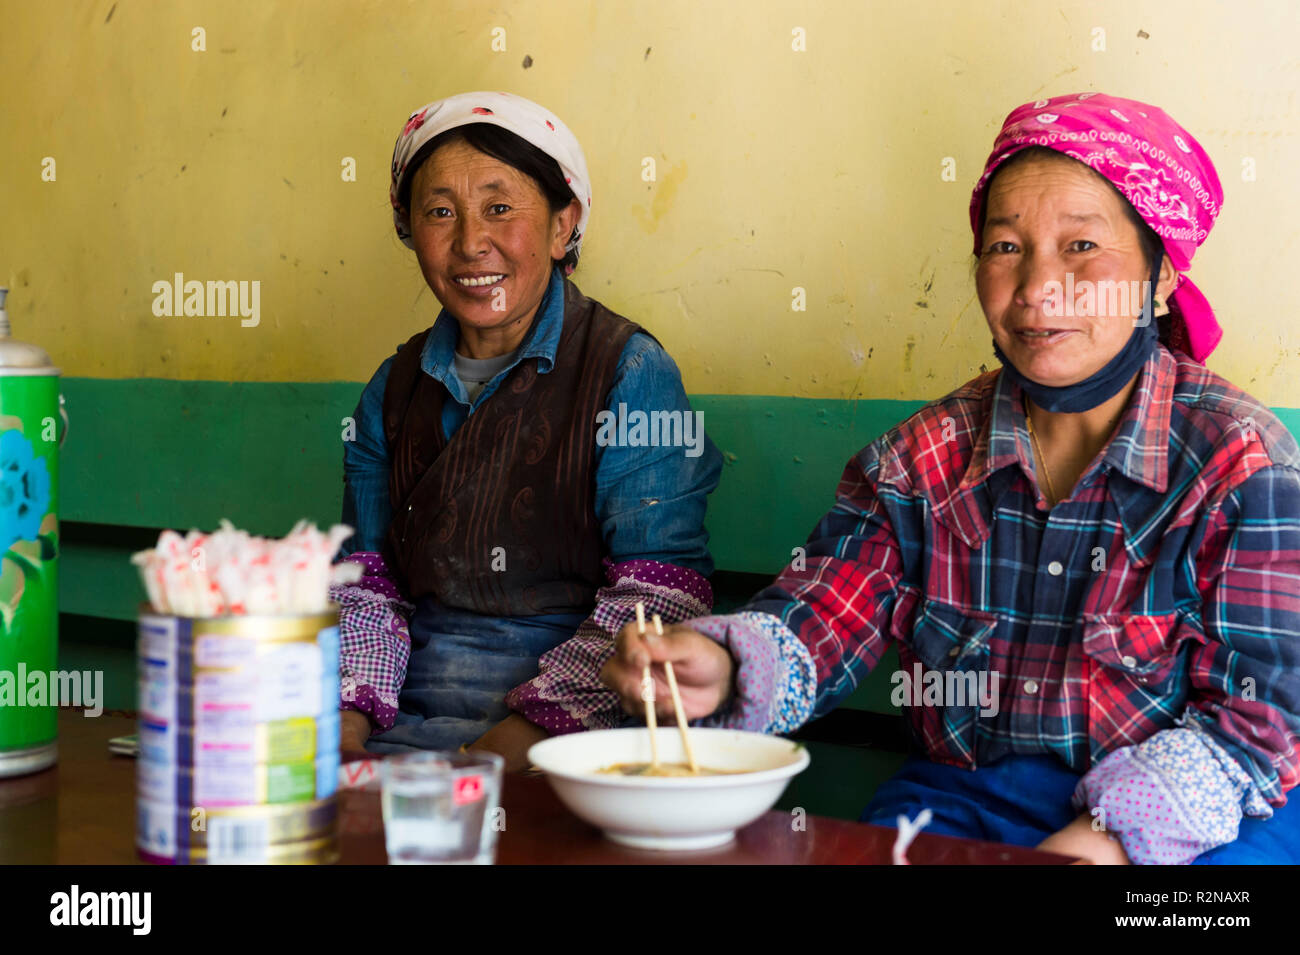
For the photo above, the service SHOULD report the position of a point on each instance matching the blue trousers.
(1021, 800)
(461, 667)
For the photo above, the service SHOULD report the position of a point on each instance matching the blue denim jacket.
(650, 502)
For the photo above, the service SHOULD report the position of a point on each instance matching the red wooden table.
(83, 812)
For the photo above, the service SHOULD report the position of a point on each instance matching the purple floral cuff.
(567, 696)
(374, 641)
(775, 681)
(1170, 798)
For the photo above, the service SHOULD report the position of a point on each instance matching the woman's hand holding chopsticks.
(703, 669)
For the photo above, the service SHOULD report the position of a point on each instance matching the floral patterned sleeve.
(775, 679)
(567, 696)
(374, 640)
(1171, 797)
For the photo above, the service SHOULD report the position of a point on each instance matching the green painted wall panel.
(99, 581)
(782, 460)
(153, 452)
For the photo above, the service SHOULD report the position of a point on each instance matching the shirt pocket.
(1135, 684)
(944, 674)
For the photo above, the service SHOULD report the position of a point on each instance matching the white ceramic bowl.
(669, 812)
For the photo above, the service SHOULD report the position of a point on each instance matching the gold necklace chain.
(1051, 489)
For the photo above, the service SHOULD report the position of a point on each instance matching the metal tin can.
(30, 434)
(239, 739)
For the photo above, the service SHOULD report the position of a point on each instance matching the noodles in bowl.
(672, 809)
(664, 769)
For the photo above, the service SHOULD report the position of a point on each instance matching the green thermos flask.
(32, 427)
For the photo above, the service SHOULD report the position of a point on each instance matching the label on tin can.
(223, 652)
(155, 828)
(269, 694)
(238, 841)
(239, 738)
(328, 725)
(289, 682)
(224, 727)
(158, 734)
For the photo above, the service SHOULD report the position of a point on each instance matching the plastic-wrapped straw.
(233, 572)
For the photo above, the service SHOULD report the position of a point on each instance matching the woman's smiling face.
(1046, 218)
(485, 237)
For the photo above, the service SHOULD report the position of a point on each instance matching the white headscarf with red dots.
(522, 117)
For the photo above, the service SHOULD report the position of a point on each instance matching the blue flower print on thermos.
(24, 490)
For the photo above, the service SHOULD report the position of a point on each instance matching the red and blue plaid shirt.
(1153, 613)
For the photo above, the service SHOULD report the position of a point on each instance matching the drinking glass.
(442, 808)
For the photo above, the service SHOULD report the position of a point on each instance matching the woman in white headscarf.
(496, 517)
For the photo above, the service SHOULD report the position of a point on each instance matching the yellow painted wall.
(776, 168)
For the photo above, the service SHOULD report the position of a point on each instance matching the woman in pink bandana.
(1089, 560)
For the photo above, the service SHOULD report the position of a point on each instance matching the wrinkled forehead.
(1051, 185)
(458, 168)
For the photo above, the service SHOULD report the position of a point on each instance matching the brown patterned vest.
(501, 519)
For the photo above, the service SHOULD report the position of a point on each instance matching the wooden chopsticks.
(677, 704)
(648, 694)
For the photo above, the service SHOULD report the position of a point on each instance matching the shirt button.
(1031, 686)
(1129, 662)
(955, 652)
(1055, 568)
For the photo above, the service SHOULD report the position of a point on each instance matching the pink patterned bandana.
(1154, 162)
